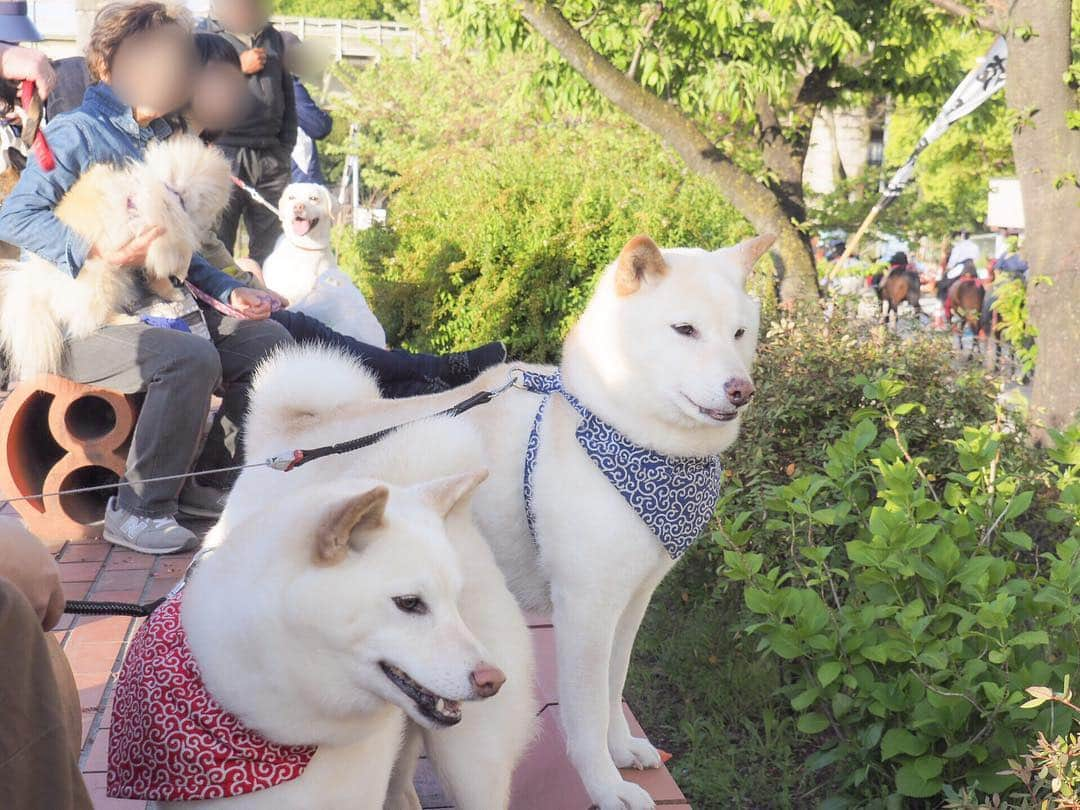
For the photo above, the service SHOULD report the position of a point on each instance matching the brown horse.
(899, 286)
(965, 303)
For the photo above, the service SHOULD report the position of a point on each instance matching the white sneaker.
(161, 535)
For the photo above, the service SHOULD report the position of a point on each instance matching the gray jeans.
(178, 371)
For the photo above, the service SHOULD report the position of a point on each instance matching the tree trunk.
(759, 204)
(1047, 155)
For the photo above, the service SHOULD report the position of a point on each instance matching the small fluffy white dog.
(303, 268)
(356, 638)
(662, 353)
(181, 185)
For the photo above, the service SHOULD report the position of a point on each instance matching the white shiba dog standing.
(659, 368)
(303, 268)
(410, 616)
(180, 186)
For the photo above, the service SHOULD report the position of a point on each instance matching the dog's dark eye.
(686, 329)
(739, 333)
(410, 604)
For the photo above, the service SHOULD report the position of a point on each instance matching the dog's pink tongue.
(301, 226)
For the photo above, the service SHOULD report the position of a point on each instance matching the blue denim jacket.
(101, 130)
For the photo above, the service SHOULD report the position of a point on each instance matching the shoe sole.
(119, 540)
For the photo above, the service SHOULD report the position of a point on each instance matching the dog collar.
(674, 496)
(170, 741)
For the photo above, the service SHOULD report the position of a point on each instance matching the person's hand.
(251, 303)
(27, 564)
(253, 60)
(281, 300)
(27, 63)
(132, 254)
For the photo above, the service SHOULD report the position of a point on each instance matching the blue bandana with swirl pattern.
(675, 497)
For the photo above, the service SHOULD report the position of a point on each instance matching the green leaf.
(910, 783)
(758, 600)
(1019, 505)
(901, 741)
(829, 672)
(812, 723)
(1030, 638)
(929, 766)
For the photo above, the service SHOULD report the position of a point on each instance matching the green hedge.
(500, 223)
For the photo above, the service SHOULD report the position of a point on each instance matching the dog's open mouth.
(716, 414)
(302, 225)
(439, 709)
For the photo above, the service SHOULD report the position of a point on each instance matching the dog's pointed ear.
(748, 251)
(639, 261)
(335, 532)
(443, 494)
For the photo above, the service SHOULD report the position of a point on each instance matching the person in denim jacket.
(142, 57)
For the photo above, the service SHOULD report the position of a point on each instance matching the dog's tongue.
(301, 226)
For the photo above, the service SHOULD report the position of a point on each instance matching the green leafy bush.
(911, 604)
(1011, 305)
(499, 225)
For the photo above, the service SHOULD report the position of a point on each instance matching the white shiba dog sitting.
(181, 186)
(351, 604)
(615, 476)
(303, 268)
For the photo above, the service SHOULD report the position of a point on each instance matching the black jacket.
(271, 121)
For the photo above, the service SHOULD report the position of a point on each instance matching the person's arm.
(28, 565)
(315, 121)
(26, 217)
(211, 280)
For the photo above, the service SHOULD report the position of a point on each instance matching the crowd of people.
(152, 72)
(961, 260)
(149, 73)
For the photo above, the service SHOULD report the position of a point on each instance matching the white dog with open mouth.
(605, 470)
(303, 268)
(348, 606)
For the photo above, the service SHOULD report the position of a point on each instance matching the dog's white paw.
(634, 752)
(624, 795)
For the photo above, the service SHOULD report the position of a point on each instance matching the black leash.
(298, 458)
(80, 607)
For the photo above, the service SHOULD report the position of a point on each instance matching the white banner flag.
(979, 85)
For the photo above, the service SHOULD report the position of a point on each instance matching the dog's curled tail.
(301, 384)
(31, 339)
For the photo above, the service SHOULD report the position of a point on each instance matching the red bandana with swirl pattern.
(170, 740)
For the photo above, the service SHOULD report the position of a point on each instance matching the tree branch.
(988, 22)
(650, 111)
(759, 204)
(646, 32)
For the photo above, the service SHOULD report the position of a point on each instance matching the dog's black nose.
(739, 390)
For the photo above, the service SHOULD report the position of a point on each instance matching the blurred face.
(219, 99)
(152, 71)
(242, 16)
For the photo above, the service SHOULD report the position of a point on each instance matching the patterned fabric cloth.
(675, 497)
(170, 740)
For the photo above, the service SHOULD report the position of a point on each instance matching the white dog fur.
(596, 563)
(181, 185)
(303, 268)
(292, 647)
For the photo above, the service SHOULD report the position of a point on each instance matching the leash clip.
(515, 379)
(286, 462)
